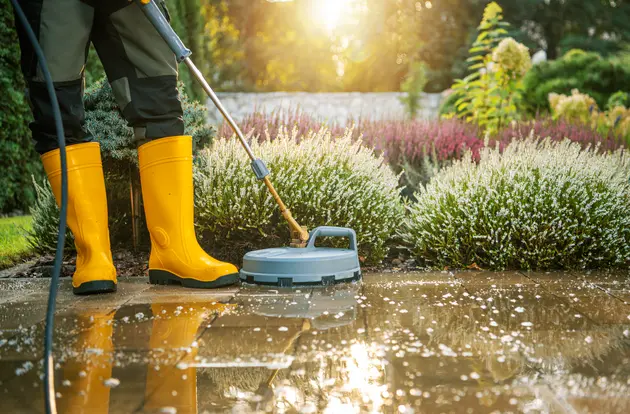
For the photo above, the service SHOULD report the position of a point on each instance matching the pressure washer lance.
(299, 234)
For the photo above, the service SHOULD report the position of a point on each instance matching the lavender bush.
(539, 204)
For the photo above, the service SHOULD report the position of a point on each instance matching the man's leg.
(63, 28)
(143, 74)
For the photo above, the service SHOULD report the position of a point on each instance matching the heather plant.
(418, 148)
(260, 124)
(409, 141)
(413, 146)
(327, 181)
(539, 204)
(559, 129)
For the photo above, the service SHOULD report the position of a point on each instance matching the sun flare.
(330, 13)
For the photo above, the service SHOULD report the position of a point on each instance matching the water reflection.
(173, 387)
(274, 375)
(89, 365)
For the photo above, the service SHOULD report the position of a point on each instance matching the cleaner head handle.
(329, 231)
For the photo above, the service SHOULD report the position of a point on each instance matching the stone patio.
(415, 342)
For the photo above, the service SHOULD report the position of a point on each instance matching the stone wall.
(332, 107)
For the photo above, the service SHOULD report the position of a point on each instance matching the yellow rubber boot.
(84, 375)
(87, 215)
(174, 335)
(167, 192)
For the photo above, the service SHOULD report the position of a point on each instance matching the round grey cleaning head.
(288, 266)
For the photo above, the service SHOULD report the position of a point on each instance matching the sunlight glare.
(329, 13)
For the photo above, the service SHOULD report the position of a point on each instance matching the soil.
(129, 263)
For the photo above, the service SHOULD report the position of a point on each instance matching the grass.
(13, 243)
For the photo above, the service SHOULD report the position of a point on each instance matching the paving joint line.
(595, 285)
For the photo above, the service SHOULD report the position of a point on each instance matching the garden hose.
(299, 234)
(49, 366)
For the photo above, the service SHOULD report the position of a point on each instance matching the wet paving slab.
(443, 342)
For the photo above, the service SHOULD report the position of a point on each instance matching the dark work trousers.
(140, 67)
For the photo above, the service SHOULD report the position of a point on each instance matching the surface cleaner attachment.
(290, 266)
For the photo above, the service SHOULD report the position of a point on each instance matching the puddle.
(437, 342)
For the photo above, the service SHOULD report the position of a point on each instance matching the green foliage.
(586, 71)
(43, 233)
(118, 150)
(17, 156)
(187, 21)
(413, 86)
(326, 180)
(447, 107)
(489, 96)
(537, 205)
(555, 25)
(14, 245)
(619, 98)
(94, 70)
(266, 46)
(224, 64)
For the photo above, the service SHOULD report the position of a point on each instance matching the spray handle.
(156, 17)
(328, 231)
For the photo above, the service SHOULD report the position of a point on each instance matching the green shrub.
(619, 98)
(43, 234)
(17, 155)
(538, 205)
(324, 180)
(586, 71)
(106, 124)
(490, 95)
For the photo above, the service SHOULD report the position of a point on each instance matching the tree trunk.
(552, 43)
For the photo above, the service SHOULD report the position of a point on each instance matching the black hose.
(49, 366)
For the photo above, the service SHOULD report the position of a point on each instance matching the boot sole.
(95, 287)
(163, 277)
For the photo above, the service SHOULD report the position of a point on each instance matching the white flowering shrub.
(537, 205)
(323, 180)
(512, 57)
